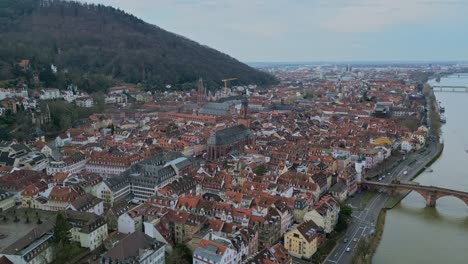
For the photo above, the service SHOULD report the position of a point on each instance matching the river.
(415, 233)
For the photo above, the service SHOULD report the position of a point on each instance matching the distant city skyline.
(319, 30)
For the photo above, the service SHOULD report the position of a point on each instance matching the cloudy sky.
(315, 30)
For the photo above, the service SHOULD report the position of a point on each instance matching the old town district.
(241, 175)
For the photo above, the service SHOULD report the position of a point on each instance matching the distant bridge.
(450, 88)
(429, 193)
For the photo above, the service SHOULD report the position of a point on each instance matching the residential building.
(135, 248)
(106, 164)
(275, 254)
(113, 190)
(339, 191)
(60, 198)
(7, 200)
(324, 213)
(214, 251)
(84, 102)
(303, 240)
(88, 203)
(50, 93)
(73, 163)
(35, 247)
(89, 229)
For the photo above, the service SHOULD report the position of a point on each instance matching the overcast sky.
(315, 30)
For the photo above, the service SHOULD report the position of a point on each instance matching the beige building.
(303, 240)
(324, 213)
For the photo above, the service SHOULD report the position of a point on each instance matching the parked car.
(355, 239)
(345, 240)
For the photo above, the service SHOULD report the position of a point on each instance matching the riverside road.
(364, 219)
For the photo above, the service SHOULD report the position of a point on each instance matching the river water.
(415, 233)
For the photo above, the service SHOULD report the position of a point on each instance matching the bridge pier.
(431, 199)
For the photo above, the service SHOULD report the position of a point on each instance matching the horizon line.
(362, 61)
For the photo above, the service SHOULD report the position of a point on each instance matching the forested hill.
(94, 46)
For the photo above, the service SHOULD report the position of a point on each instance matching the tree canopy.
(61, 230)
(260, 170)
(181, 254)
(95, 46)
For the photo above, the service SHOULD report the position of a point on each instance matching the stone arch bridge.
(430, 193)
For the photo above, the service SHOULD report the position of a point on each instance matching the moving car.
(348, 249)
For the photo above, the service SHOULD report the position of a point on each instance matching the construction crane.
(226, 83)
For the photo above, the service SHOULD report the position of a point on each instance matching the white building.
(215, 251)
(84, 102)
(157, 231)
(88, 229)
(407, 145)
(9, 93)
(128, 223)
(50, 93)
(74, 163)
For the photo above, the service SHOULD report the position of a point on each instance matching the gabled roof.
(83, 203)
(130, 246)
(309, 230)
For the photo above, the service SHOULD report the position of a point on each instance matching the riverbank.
(391, 202)
(411, 226)
(379, 228)
(367, 247)
(440, 147)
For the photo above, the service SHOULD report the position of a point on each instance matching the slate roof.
(4, 159)
(83, 203)
(229, 135)
(117, 183)
(338, 187)
(309, 230)
(129, 247)
(87, 222)
(24, 243)
(20, 147)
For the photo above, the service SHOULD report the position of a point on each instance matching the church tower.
(201, 93)
(243, 114)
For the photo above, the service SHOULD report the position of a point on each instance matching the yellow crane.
(226, 83)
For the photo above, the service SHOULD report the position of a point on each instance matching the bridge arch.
(459, 197)
(430, 193)
(422, 193)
